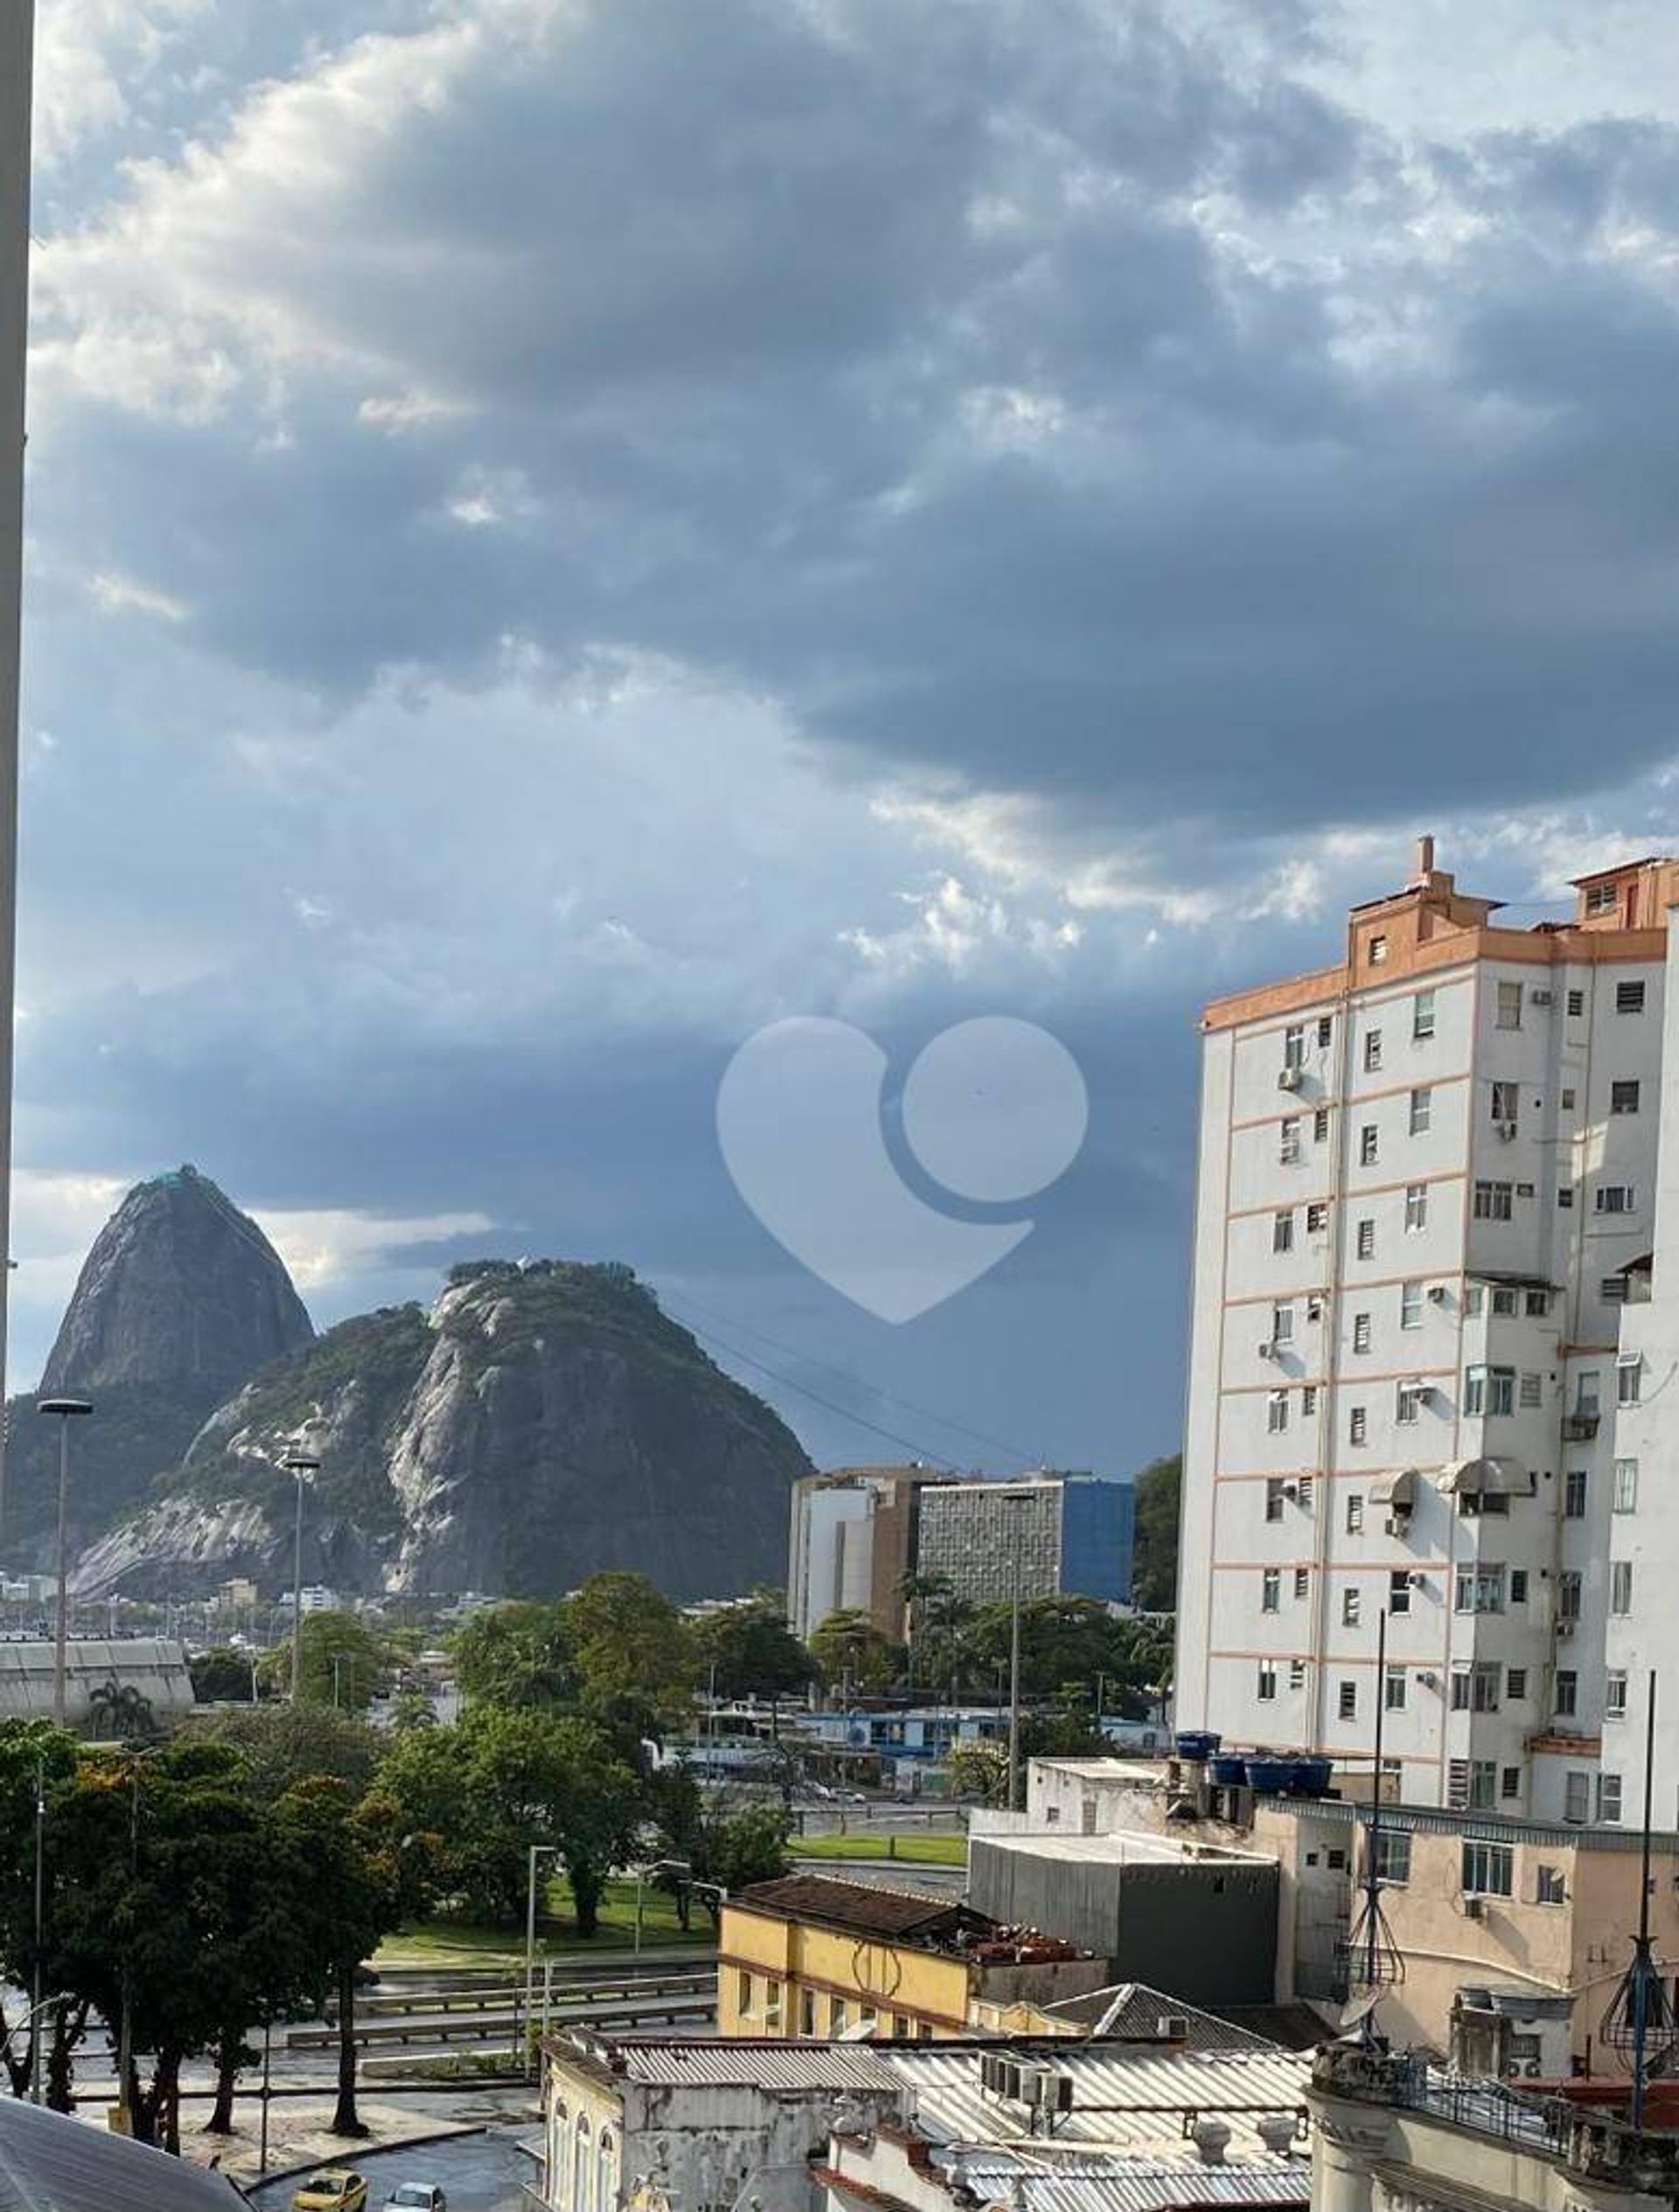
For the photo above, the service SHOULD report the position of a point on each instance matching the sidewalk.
(299, 2137)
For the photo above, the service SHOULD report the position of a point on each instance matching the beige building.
(1388, 2135)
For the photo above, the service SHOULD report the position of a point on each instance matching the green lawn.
(915, 1850)
(454, 1943)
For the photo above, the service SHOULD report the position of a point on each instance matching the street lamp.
(299, 1463)
(66, 1411)
(537, 1850)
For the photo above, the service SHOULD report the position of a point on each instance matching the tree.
(753, 1652)
(731, 1843)
(222, 1676)
(345, 1663)
(33, 1754)
(517, 1654)
(284, 1744)
(121, 1710)
(979, 1770)
(629, 1641)
(925, 1597)
(848, 1648)
(1154, 1555)
(1071, 1647)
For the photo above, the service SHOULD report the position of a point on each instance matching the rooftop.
(1135, 2012)
(1122, 1846)
(1137, 2186)
(873, 1911)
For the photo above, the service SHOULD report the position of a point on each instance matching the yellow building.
(813, 1956)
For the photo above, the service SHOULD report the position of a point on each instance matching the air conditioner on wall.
(1473, 1909)
(1507, 1130)
(1290, 1078)
(1268, 1349)
(1437, 1294)
(1539, 998)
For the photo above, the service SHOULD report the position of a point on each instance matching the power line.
(927, 1413)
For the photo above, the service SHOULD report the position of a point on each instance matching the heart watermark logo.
(992, 1111)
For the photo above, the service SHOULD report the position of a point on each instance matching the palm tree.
(120, 1710)
(924, 1596)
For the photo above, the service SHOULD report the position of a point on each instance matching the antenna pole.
(1642, 1975)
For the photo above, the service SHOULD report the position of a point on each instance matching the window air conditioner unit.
(1172, 2028)
(1394, 1526)
(1539, 998)
(1473, 1909)
(1268, 1349)
(1290, 1078)
(1507, 1130)
(1437, 1294)
(1429, 1679)
(1563, 1628)
(1418, 1581)
(1291, 1490)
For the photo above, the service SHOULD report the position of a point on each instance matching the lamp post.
(299, 1463)
(537, 1850)
(66, 1411)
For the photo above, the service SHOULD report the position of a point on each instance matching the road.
(477, 2173)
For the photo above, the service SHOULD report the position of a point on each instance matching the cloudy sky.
(563, 532)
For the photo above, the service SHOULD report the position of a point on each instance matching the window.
(1282, 1324)
(1297, 1674)
(1357, 1425)
(1549, 1887)
(1625, 1494)
(1302, 1581)
(1361, 1332)
(1629, 1379)
(1393, 1690)
(1274, 1489)
(1410, 1305)
(1317, 1218)
(1568, 1099)
(1576, 1003)
(1379, 951)
(1614, 1694)
(1349, 1606)
(837, 2016)
(1326, 1032)
(1489, 1392)
(1288, 1140)
(1565, 1195)
(1282, 1231)
(1267, 1682)
(1509, 1781)
(1518, 1585)
(1483, 1785)
(1629, 997)
(1422, 1016)
(1276, 1412)
(1422, 1112)
(1346, 1701)
(1368, 1143)
(1568, 1594)
(1612, 1290)
(1509, 1006)
(1602, 898)
(1408, 1403)
(1416, 1205)
(1372, 1050)
(1294, 1047)
(1568, 1693)
(1393, 1856)
(1308, 1399)
(1623, 1096)
(1461, 1686)
(1474, 1301)
(1516, 1683)
(1536, 1304)
(1367, 1239)
(1399, 1591)
(1493, 1202)
(1479, 1589)
(1305, 1494)
(1531, 1391)
(1503, 1301)
(1485, 1681)
(1609, 1798)
(1586, 1389)
(1620, 1586)
(1615, 1198)
(1271, 1591)
(1506, 1102)
(1574, 1483)
(1354, 1514)
(807, 2011)
(744, 1994)
(1577, 1796)
(1320, 1126)
(1489, 1869)
(1314, 1307)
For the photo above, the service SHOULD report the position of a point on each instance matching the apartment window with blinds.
(1271, 1591)
(1626, 1497)
(1354, 1514)
(1282, 1324)
(1368, 1145)
(1494, 1201)
(1357, 1424)
(1410, 1305)
(1616, 1198)
(1620, 1586)
(1267, 1682)
(1574, 1484)
(1422, 1016)
(1566, 1702)
(1422, 1112)
(1288, 1141)
(1366, 1246)
(1349, 1608)
(1317, 1218)
(1276, 1411)
(1372, 1050)
(1609, 1799)
(1326, 1031)
(1294, 1047)
(1489, 1869)
(1576, 1005)
(1308, 1399)
(1302, 1581)
(1378, 952)
(1408, 1403)
(1361, 1332)
(1518, 1585)
(1506, 1102)
(1416, 1205)
(1320, 1126)
(1577, 1797)
(1629, 997)
(1297, 1674)
(1346, 1701)
(1623, 1096)
(1568, 1594)
(1516, 1683)
(1509, 1006)
(1399, 1591)
(1614, 1694)
(1532, 1392)
(1282, 1232)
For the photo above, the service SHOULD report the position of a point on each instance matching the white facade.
(1425, 1174)
(829, 1566)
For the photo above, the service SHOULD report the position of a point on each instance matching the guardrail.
(486, 2026)
(507, 1996)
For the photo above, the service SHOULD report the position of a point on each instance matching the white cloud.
(114, 595)
(322, 1246)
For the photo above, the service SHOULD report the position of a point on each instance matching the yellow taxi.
(334, 2189)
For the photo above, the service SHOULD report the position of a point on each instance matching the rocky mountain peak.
(181, 1289)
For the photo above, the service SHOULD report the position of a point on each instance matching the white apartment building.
(1427, 1193)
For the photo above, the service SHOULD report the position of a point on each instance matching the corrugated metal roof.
(1132, 2011)
(1139, 2185)
(871, 1911)
(49, 2162)
(1126, 2098)
(664, 2064)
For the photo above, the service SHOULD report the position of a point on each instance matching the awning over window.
(1398, 1489)
(1482, 1478)
(1629, 1358)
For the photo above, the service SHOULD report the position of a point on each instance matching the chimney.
(1424, 858)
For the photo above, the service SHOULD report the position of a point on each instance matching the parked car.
(335, 2189)
(418, 2196)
